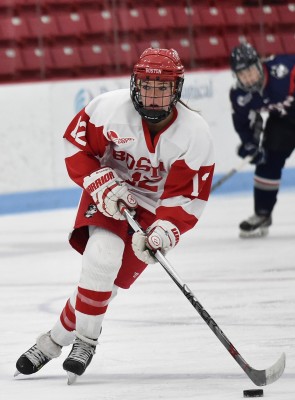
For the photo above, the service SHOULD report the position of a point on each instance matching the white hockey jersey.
(170, 175)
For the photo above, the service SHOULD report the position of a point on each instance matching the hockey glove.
(161, 235)
(107, 189)
(252, 149)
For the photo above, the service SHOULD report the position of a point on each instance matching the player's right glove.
(107, 190)
(252, 149)
(161, 235)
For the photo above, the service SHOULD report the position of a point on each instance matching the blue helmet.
(243, 57)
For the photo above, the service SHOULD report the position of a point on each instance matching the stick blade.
(269, 375)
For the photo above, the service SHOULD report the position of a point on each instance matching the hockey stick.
(239, 167)
(259, 377)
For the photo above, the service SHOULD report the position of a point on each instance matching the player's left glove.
(161, 235)
(107, 190)
(253, 150)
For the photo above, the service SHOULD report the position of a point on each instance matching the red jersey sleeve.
(85, 145)
(185, 195)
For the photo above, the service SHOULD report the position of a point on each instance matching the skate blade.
(71, 378)
(16, 373)
(257, 233)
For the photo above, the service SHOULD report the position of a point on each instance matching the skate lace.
(82, 351)
(36, 356)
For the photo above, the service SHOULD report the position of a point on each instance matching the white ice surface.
(154, 344)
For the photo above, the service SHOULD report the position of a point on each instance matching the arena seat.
(66, 58)
(57, 3)
(266, 16)
(211, 18)
(131, 19)
(185, 49)
(286, 14)
(42, 26)
(9, 3)
(211, 48)
(37, 60)
(20, 5)
(238, 18)
(101, 22)
(13, 29)
(125, 55)
(233, 39)
(71, 24)
(186, 18)
(11, 62)
(95, 56)
(288, 41)
(153, 43)
(159, 18)
(268, 44)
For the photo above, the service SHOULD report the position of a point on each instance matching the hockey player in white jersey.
(148, 150)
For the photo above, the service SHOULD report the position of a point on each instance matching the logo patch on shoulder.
(279, 71)
(243, 100)
(114, 137)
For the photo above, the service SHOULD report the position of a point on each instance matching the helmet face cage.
(164, 93)
(156, 83)
(242, 58)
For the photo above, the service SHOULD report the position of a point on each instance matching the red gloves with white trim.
(107, 190)
(161, 235)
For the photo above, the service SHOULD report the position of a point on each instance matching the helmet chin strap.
(154, 116)
(256, 87)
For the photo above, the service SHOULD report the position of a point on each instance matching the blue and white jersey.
(278, 96)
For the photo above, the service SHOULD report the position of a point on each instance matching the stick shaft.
(233, 171)
(190, 296)
(259, 377)
(239, 167)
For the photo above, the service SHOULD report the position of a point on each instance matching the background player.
(263, 86)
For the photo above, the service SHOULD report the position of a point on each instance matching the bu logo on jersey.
(114, 137)
(79, 132)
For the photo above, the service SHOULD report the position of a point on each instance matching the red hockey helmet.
(157, 65)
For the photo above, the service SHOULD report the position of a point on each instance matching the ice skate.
(38, 355)
(78, 359)
(255, 226)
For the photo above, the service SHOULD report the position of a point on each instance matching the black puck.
(253, 393)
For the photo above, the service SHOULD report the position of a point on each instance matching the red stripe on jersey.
(185, 182)
(266, 74)
(179, 181)
(80, 165)
(91, 302)
(68, 318)
(205, 176)
(183, 220)
(292, 81)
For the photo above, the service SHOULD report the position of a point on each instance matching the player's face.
(249, 76)
(156, 94)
